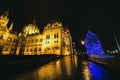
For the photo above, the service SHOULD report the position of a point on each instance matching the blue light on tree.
(92, 44)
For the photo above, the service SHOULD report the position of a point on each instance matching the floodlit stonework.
(54, 39)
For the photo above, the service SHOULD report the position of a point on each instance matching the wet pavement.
(67, 68)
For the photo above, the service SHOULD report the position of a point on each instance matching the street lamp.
(83, 45)
(83, 42)
(84, 55)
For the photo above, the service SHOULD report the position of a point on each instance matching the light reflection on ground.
(67, 68)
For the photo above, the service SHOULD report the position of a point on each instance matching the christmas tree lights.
(92, 44)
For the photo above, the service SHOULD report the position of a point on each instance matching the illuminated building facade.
(8, 39)
(54, 39)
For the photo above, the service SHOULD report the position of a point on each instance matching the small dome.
(31, 29)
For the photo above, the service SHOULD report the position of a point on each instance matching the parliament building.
(54, 39)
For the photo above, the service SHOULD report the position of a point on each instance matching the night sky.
(80, 16)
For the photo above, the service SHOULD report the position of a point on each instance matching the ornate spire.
(6, 13)
(34, 21)
(11, 27)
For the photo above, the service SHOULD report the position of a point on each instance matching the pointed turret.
(4, 19)
(11, 27)
(34, 21)
(6, 13)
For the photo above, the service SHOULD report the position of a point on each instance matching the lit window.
(36, 40)
(32, 40)
(14, 40)
(67, 49)
(56, 35)
(47, 36)
(41, 40)
(56, 47)
(35, 49)
(31, 50)
(47, 42)
(39, 49)
(26, 50)
(56, 41)
(12, 49)
(40, 44)
(28, 41)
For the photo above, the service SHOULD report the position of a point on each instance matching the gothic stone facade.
(54, 39)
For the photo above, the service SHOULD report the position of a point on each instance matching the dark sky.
(102, 18)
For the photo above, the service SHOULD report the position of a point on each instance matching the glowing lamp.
(82, 42)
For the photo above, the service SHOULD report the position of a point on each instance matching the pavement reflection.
(67, 68)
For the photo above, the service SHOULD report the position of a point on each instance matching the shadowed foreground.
(14, 65)
(66, 68)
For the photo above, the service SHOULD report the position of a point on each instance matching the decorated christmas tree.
(92, 44)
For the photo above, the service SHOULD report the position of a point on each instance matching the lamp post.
(83, 42)
(84, 55)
